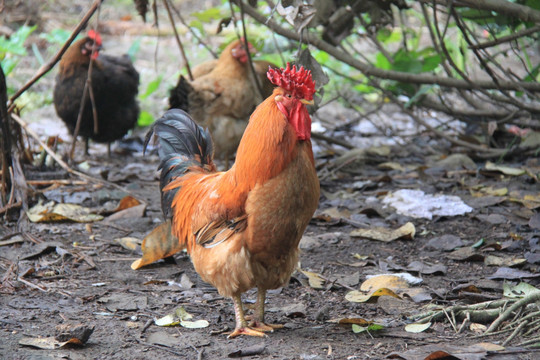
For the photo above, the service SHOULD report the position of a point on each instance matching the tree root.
(521, 318)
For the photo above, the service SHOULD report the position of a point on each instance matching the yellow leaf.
(384, 281)
(506, 170)
(315, 280)
(407, 231)
(357, 296)
(478, 328)
(52, 212)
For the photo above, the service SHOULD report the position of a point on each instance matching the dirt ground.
(75, 273)
(55, 275)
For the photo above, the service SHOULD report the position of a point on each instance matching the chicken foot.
(242, 327)
(257, 321)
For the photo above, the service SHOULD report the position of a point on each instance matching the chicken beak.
(307, 102)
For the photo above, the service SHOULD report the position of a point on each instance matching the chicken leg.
(242, 327)
(257, 322)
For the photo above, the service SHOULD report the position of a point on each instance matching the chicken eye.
(289, 96)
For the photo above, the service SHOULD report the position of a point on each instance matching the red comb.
(94, 35)
(298, 82)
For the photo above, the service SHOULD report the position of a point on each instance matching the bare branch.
(48, 66)
(369, 70)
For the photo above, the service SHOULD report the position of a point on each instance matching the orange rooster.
(242, 227)
(223, 95)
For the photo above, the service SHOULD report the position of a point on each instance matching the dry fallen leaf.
(183, 318)
(417, 328)
(315, 280)
(357, 296)
(407, 232)
(506, 170)
(129, 243)
(159, 244)
(51, 212)
(127, 202)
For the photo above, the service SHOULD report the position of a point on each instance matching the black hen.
(115, 85)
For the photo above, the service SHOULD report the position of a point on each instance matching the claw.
(246, 331)
(260, 326)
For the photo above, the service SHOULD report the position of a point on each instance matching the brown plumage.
(223, 95)
(242, 227)
(115, 85)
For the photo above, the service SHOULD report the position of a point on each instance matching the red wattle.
(301, 121)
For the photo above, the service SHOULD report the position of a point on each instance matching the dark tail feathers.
(182, 144)
(178, 96)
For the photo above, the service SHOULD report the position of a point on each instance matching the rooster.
(223, 95)
(114, 86)
(241, 227)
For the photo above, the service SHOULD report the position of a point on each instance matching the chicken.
(242, 227)
(223, 95)
(115, 85)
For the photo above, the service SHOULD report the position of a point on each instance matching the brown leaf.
(132, 212)
(127, 202)
(157, 245)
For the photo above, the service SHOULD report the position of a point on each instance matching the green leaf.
(407, 61)
(321, 56)
(373, 327)
(15, 44)
(431, 62)
(57, 36)
(152, 87)
(197, 25)
(388, 36)
(424, 89)
(145, 119)
(363, 88)
(208, 15)
(37, 54)
(479, 243)
(8, 64)
(134, 49)
(382, 62)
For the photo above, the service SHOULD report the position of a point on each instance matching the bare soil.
(59, 274)
(83, 276)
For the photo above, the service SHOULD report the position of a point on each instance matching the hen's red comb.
(298, 82)
(94, 35)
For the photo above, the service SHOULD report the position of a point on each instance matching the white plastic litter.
(417, 204)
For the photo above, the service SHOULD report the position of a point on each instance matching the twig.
(506, 38)
(332, 140)
(162, 347)
(529, 299)
(250, 60)
(178, 41)
(5, 140)
(190, 29)
(28, 283)
(48, 66)
(516, 332)
(148, 323)
(529, 342)
(60, 162)
(368, 70)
